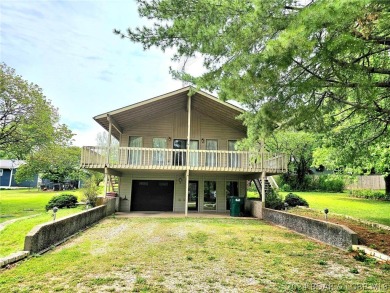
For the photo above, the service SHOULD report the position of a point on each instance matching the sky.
(69, 50)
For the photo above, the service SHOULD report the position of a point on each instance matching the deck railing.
(154, 158)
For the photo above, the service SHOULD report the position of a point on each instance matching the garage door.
(152, 195)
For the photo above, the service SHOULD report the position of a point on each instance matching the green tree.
(56, 163)
(320, 66)
(28, 120)
(299, 146)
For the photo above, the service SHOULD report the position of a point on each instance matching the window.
(233, 159)
(211, 157)
(210, 196)
(135, 153)
(160, 144)
(231, 190)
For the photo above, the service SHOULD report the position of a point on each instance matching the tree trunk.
(387, 184)
(301, 172)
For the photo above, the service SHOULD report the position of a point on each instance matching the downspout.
(188, 154)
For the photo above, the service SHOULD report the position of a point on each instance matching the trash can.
(236, 206)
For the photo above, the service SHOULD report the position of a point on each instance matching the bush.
(62, 201)
(91, 191)
(328, 183)
(286, 187)
(331, 183)
(369, 194)
(274, 201)
(294, 200)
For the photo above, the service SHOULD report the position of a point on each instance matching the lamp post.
(326, 211)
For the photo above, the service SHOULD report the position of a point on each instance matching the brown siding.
(175, 126)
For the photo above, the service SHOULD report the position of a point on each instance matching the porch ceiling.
(170, 103)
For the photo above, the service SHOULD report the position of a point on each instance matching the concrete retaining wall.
(44, 236)
(333, 234)
(254, 207)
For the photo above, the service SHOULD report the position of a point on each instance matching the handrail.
(137, 157)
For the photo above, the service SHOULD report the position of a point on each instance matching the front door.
(193, 196)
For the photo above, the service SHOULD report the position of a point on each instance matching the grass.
(190, 255)
(17, 203)
(29, 203)
(340, 203)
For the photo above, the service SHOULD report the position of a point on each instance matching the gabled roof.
(169, 103)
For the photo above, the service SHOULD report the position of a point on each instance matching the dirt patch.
(376, 238)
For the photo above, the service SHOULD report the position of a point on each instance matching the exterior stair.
(258, 184)
(114, 183)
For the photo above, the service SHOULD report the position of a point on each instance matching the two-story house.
(177, 152)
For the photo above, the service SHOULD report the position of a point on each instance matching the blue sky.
(69, 50)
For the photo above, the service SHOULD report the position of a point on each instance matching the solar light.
(326, 211)
(285, 206)
(55, 210)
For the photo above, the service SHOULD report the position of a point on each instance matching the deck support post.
(263, 188)
(188, 154)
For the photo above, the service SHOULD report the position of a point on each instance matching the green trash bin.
(236, 204)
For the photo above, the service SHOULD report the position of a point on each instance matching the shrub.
(294, 200)
(369, 194)
(331, 183)
(91, 191)
(286, 187)
(62, 201)
(274, 201)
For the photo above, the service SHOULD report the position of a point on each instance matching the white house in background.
(177, 152)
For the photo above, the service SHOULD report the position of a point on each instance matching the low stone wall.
(333, 234)
(254, 207)
(44, 236)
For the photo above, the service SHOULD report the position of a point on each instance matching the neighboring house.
(178, 153)
(8, 169)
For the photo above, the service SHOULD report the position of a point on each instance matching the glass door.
(194, 145)
(179, 156)
(211, 157)
(160, 144)
(233, 159)
(193, 196)
(135, 155)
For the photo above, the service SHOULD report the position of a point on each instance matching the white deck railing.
(153, 158)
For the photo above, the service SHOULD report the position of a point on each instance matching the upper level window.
(211, 157)
(135, 155)
(233, 159)
(159, 155)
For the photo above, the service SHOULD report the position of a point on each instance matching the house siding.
(179, 188)
(175, 126)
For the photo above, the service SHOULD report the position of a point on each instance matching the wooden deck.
(93, 157)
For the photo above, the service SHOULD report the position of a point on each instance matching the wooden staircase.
(113, 183)
(267, 185)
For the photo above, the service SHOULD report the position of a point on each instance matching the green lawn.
(340, 203)
(19, 203)
(192, 255)
(24, 202)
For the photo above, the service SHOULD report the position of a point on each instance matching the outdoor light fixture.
(202, 140)
(55, 210)
(326, 211)
(180, 180)
(169, 138)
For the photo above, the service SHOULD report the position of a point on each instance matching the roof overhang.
(169, 103)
